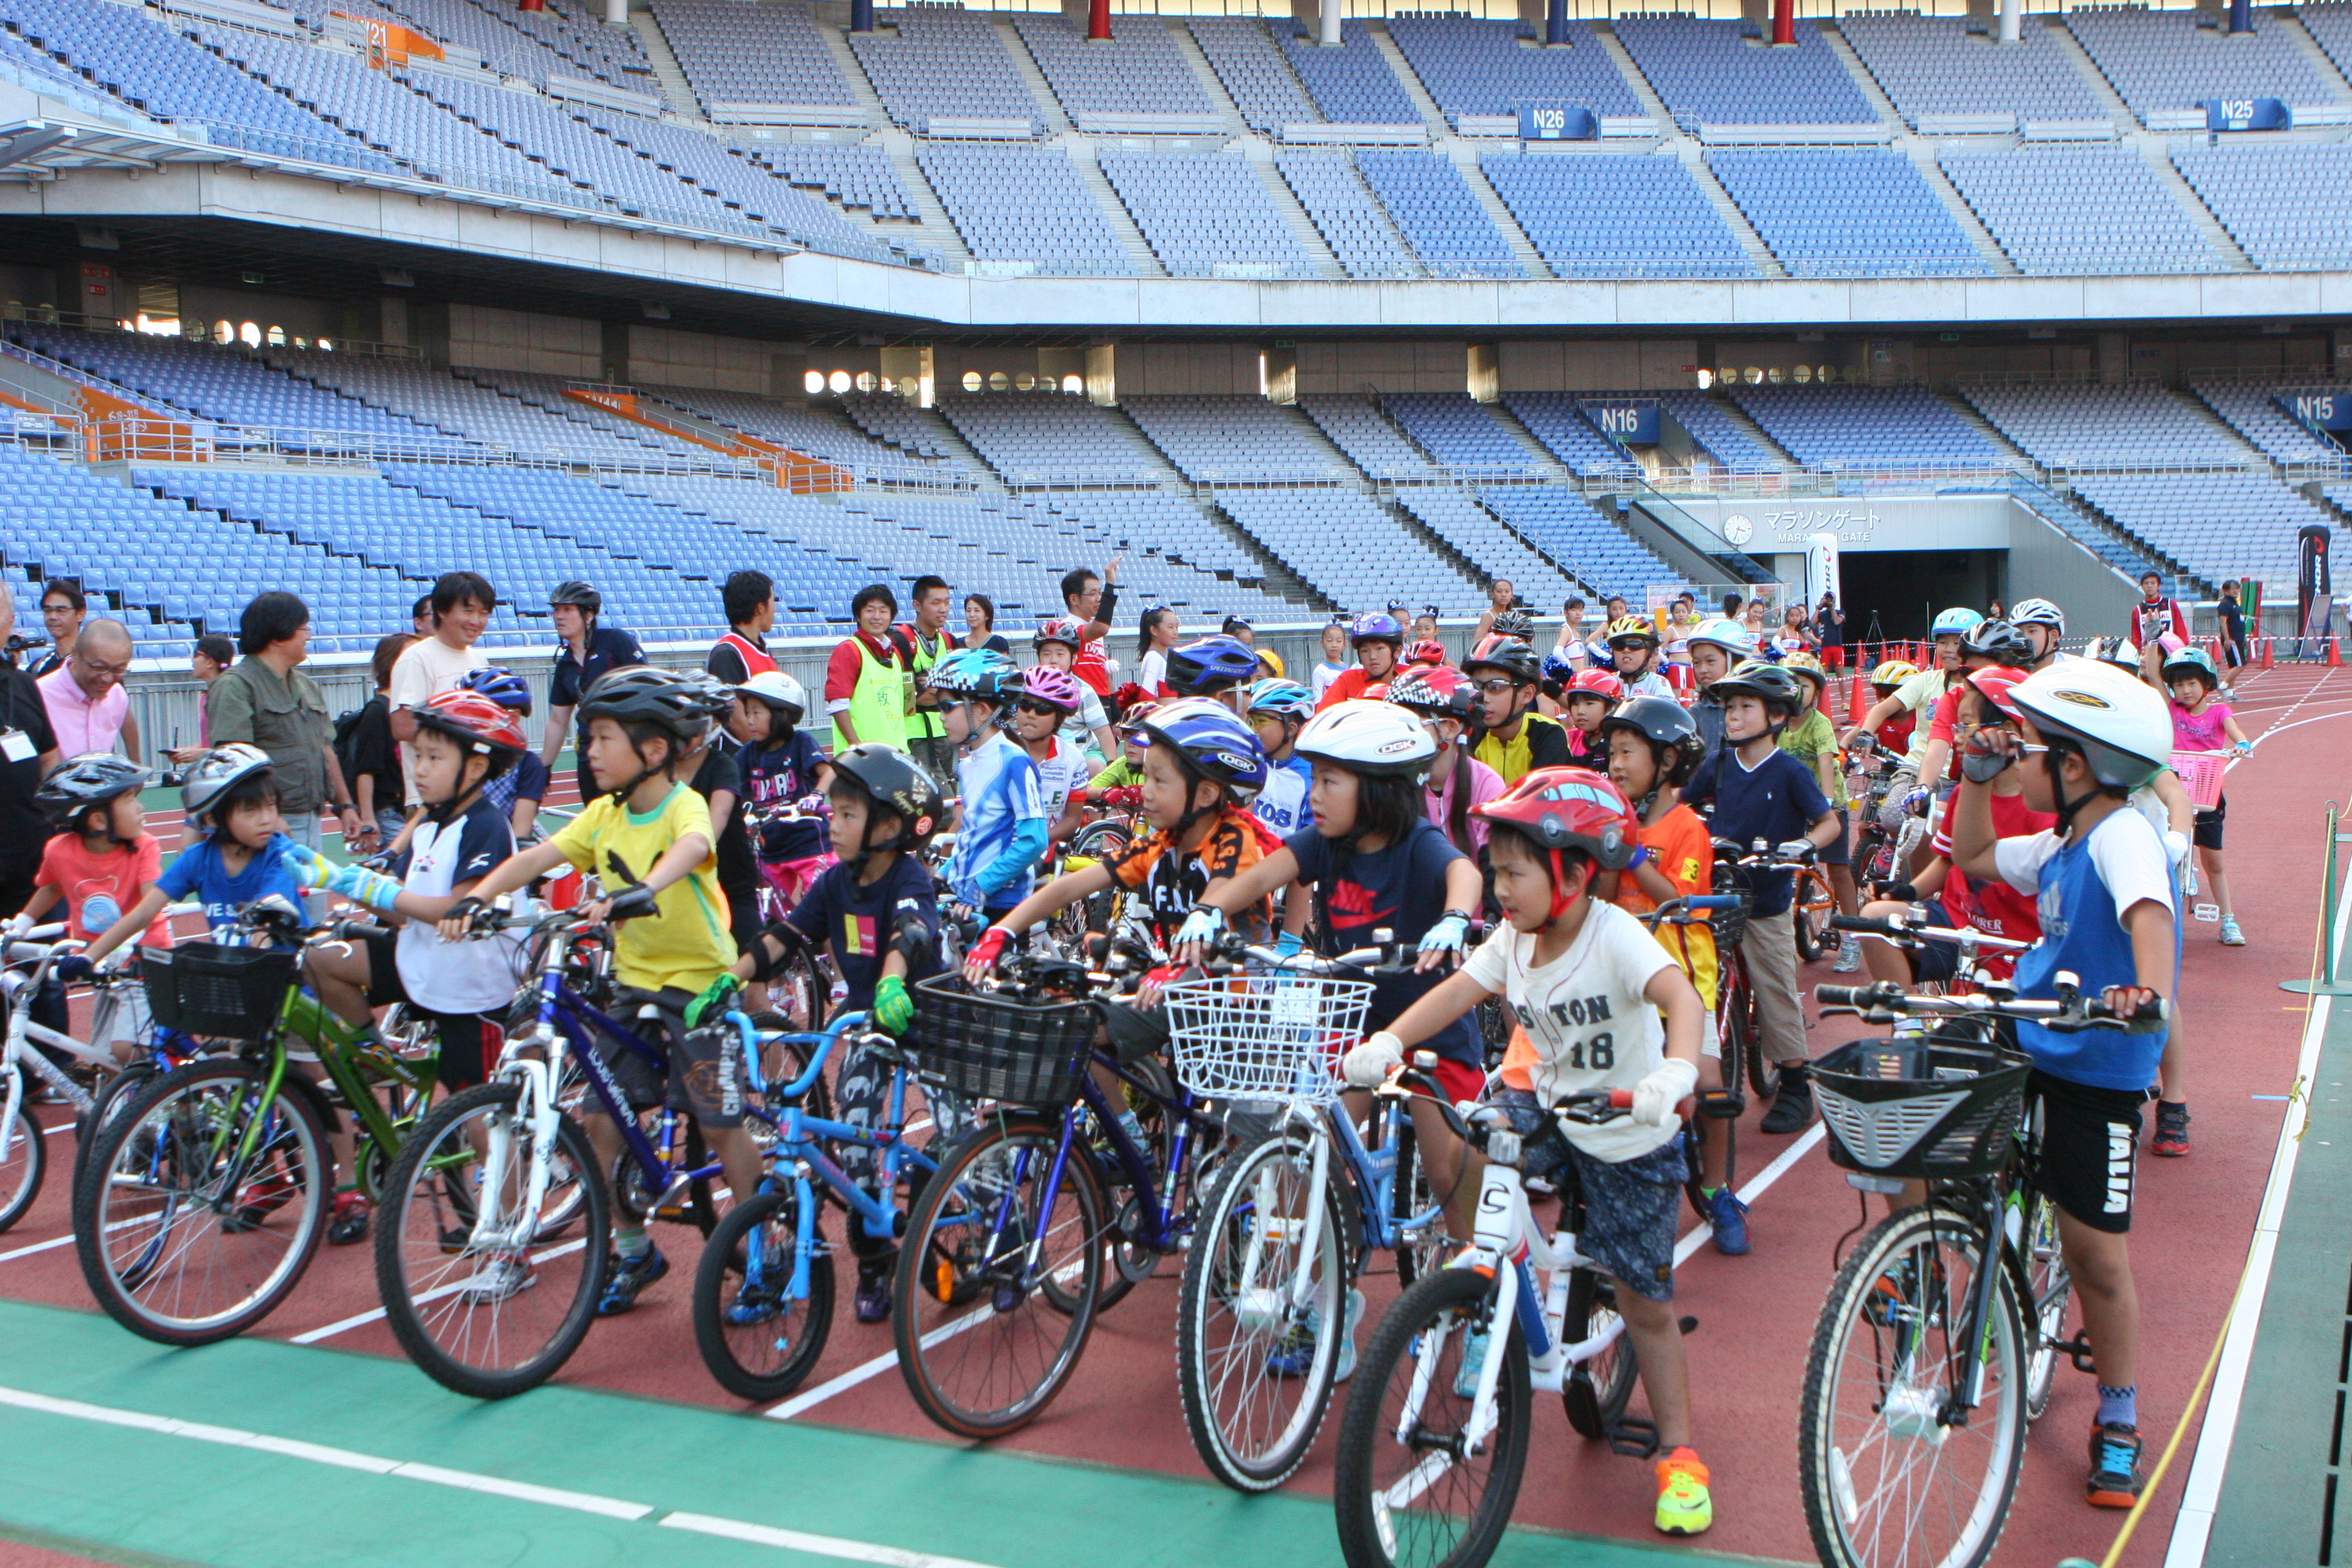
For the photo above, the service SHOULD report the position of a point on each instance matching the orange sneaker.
(1684, 1507)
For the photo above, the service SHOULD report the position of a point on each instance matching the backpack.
(346, 741)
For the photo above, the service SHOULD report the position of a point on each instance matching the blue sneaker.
(1729, 1216)
(624, 1276)
(1295, 1355)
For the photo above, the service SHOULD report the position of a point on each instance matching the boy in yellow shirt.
(648, 836)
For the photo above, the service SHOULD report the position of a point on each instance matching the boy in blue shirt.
(1761, 792)
(2092, 735)
(1276, 709)
(231, 797)
(1003, 831)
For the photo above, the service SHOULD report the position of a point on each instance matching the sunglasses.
(1032, 705)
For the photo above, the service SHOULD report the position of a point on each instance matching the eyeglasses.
(96, 667)
(1496, 685)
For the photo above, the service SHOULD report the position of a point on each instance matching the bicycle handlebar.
(2069, 1012)
(1904, 933)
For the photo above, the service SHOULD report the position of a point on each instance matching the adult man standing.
(88, 709)
(2236, 650)
(928, 643)
(868, 690)
(28, 749)
(589, 649)
(265, 701)
(1092, 601)
(461, 605)
(749, 600)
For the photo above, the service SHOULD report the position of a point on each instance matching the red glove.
(1164, 975)
(1126, 797)
(989, 949)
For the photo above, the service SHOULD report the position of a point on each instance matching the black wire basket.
(223, 993)
(1000, 1047)
(1932, 1107)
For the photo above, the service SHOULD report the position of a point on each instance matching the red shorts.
(1460, 1081)
(1834, 656)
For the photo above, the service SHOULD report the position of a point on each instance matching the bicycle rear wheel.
(109, 1101)
(1255, 1356)
(23, 1165)
(757, 1341)
(203, 1203)
(1414, 1488)
(1743, 1045)
(1815, 902)
(995, 1293)
(1597, 1390)
(485, 1299)
(2050, 1291)
(1890, 1475)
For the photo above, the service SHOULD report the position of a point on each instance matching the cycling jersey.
(464, 975)
(1282, 804)
(781, 771)
(1994, 907)
(1172, 882)
(1003, 807)
(1540, 743)
(1066, 769)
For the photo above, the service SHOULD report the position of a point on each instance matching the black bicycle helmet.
(1774, 684)
(896, 783)
(681, 705)
(575, 592)
(1515, 659)
(91, 779)
(1999, 641)
(1514, 624)
(1663, 722)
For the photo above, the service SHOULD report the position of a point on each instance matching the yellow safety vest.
(879, 702)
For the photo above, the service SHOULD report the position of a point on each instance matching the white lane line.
(2192, 1526)
(363, 1320)
(1756, 1184)
(65, 1240)
(881, 1364)
(494, 1485)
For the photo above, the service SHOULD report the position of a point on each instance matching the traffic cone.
(1859, 708)
(2270, 648)
(2335, 653)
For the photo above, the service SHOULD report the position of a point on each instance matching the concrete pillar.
(617, 12)
(861, 16)
(2012, 20)
(1329, 31)
(2242, 15)
(1784, 23)
(1097, 18)
(1556, 22)
(1102, 373)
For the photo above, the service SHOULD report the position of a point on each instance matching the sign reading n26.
(1557, 122)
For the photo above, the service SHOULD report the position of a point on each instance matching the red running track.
(1755, 1313)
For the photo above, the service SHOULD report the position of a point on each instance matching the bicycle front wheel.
(996, 1287)
(483, 1296)
(1892, 1474)
(756, 1339)
(2052, 1289)
(1260, 1319)
(1597, 1390)
(24, 1160)
(1416, 1484)
(203, 1203)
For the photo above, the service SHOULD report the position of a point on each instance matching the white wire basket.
(1264, 1036)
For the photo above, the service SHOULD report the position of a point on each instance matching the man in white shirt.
(462, 602)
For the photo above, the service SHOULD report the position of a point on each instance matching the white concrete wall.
(1151, 370)
(1650, 364)
(665, 357)
(491, 339)
(1434, 365)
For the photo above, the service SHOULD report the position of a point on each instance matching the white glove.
(1369, 1065)
(2176, 847)
(20, 927)
(1201, 925)
(1668, 1086)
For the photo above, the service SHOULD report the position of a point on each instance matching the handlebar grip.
(1697, 901)
(1867, 925)
(1621, 1099)
(1846, 995)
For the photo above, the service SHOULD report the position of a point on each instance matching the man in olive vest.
(869, 688)
(927, 642)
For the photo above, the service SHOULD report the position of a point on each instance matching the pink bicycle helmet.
(1044, 683)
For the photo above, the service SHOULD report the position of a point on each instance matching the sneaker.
(874, 1289)
(1295, 1357)
(1849, 958)
(2115, 1480)
(1792, 1107)
(349, 1222)
(624, 1276)
(1474, 1363)
(1683, 1506)
(755, 1303)
(1729, 1216)
(498, 1278)
(2231, 935)
(2171, 1129)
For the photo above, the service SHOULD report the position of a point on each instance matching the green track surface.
(135, 1497)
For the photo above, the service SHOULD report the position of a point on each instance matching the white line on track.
(473, 1481)
(363, 1320)
(56, 1241)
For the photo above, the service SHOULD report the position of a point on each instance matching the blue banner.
(1634, 424)
(2318, 410)
(1557, 122)
(2246, 114)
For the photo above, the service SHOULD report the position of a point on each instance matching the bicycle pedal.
(1634, 1437)
(2077, 1350)
(1687, 1325)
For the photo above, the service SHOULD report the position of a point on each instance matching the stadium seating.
(856, 174)
(1494, 550)
(1136, 70)
(2076, 519)
(2288, 207)
(2170, 60)
(1563, 526)
(1253, 71)
(1345, 214)
(1235, 440)
(2252, 409)
(812, 430)
(1863, 426)
(1555, 419)
(943, 62)
(2138, 423)
(1703, 420)
(1356, 426)
(1351, 83)
(891, 420)
(735, 53)
(1719, 73)
(1611, 217)
(1207, 215)
(2213, 525)
(1470, 66)
(2331, 26)
(1852, 213)
(1432, 204)
(1954, 67)
(462, 407)
(1460, 433)
(2096, 210)
(1048, 437)
(1350, 549)
(1015, 204)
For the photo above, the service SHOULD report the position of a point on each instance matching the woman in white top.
(1571, 644)
(1159, 633)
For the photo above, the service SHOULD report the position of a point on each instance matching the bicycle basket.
(2200, 774)
(1923, 1108)
(209, 989)
(1729, 926)
(998, 1047)
(1264, 1036)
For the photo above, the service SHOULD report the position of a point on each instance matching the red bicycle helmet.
(1428, 650)
(475, 722)
(1559, 809)
(1993, 683)
(1600, 683)
(1434, 692)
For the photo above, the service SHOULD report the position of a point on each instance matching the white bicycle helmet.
(215, 772)
(1365, 737)
(2123, 726)
(2038, 612)
(1729, 635)
(781, 692)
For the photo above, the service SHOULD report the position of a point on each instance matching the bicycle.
(477, 1285)
(1286, 1232)
(204, 1201)
(1735, 1005)
(801, 992)
(765, 1264)
(1425, 1476)
(1939, 1339)
(1008, 1254)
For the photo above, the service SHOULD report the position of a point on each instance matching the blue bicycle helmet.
(503, 687)
(977, 672)
(1213, 741)
(1275, 695)
(1957, 620)
(1375, 628)
(1210, 664)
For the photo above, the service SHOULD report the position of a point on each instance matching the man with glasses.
(1513, 740)
(88, 708)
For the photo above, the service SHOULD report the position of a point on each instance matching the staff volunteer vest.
(922, 723)
(879, 704)
(757, 660)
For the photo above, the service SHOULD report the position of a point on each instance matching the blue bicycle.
(763, 1294)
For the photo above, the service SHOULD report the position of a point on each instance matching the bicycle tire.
(1885, 1330)
(1410, 1196)
(107, 1101)
(1743, 1043)
(1598, 1390)
(27, 1165)
(1224, 1374)
(764, 1228)
(1102, 841)
(1133, 1262)
(1813, 903)
(2049, 1290)
(168, 1147)
(963, 1289)
(424, 1256)
(1432, 1319)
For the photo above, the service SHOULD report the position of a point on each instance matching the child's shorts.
(1630, 1205)
(470, 1042)
(1839, 851)
(2090, 1149)
(793, 878)
(703, 1074)
(2206, 831)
